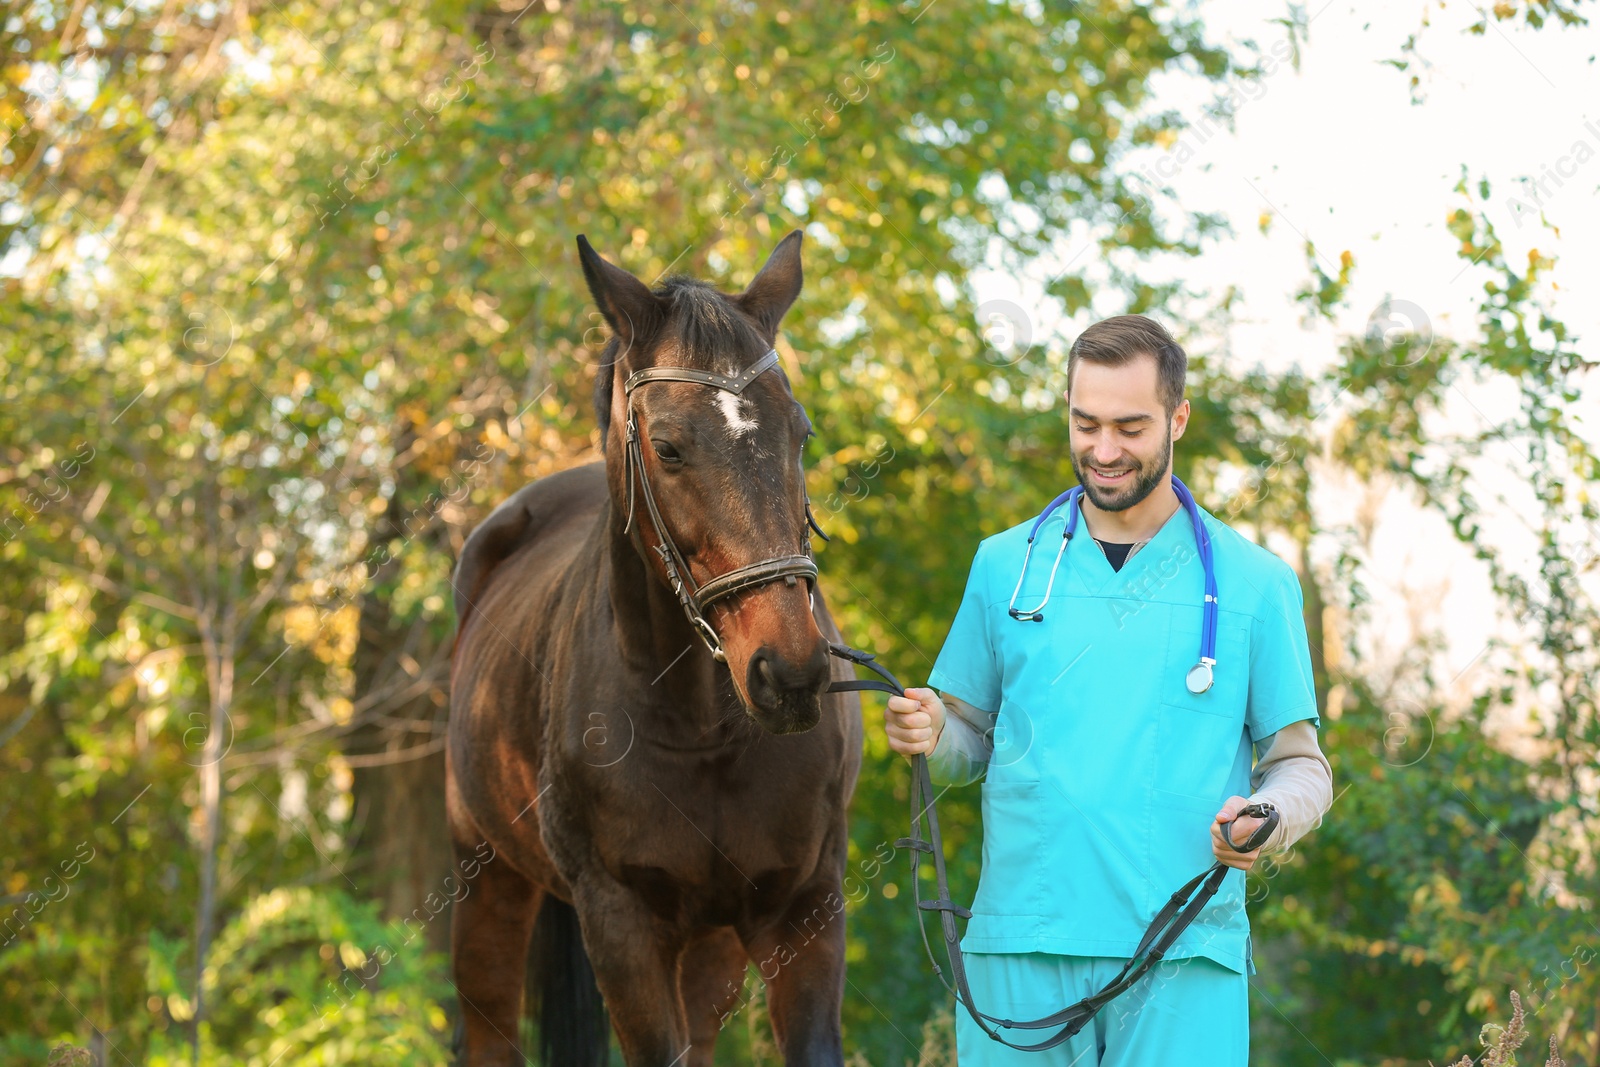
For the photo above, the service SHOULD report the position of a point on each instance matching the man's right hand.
(914, 721)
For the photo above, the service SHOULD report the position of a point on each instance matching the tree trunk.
(400, 845)
(219, 672)
(1314, 608)
(404, 844)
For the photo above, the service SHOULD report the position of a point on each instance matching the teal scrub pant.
(1182, 1012)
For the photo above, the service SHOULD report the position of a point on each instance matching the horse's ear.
(632, 311)
(628, 305)
(773, 290)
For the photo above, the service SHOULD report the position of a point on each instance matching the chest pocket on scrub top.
(1026, 654)
(1198, 734)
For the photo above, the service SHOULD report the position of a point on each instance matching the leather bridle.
(694, 597)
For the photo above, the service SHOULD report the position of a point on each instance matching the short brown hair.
(1116, 341)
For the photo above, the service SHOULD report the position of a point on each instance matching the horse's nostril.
(771, 678)
(763, 680)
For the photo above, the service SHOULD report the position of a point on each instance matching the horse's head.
(723, 467)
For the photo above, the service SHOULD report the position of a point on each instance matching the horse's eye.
(665, 450)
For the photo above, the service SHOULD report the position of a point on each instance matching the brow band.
(735, 384)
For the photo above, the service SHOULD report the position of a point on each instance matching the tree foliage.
(290, 303)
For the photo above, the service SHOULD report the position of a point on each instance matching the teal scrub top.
(1106, 772)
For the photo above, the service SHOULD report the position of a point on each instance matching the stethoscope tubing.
(1201, 673)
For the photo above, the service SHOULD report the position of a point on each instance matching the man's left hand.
(1241, 830)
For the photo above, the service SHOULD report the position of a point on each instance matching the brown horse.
(638, 725)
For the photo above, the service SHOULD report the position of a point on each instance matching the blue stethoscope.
(1200, 675)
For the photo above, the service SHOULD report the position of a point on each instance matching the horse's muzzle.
(786, 697)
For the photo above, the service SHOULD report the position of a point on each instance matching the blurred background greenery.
(289, 301)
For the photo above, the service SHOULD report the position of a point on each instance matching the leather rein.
(1180, 910)
(1174, 917)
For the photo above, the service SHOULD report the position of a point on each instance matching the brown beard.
(1146, 478)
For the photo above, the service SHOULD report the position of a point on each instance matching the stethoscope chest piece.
(1199, 678)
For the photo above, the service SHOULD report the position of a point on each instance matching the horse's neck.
(656, 641)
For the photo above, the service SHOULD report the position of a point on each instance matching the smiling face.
(1121, 436)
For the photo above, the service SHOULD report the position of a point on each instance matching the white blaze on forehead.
(733, 410)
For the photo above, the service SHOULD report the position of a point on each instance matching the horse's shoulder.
(519, 519)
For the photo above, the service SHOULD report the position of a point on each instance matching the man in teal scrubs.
(1106, 781)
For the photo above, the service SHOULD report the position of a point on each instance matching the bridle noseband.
(693, 597)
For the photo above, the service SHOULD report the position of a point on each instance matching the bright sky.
(1337, 152)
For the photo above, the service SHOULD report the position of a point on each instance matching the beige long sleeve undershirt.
(1290, 769)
